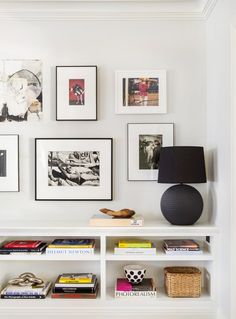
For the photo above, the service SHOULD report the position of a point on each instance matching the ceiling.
(105, 9)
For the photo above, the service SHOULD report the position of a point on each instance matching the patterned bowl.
(134, 273)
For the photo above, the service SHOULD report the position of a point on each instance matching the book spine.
(182, 249)
(68, 251)
(134, 245)
(120, 294)
(73, 295)
(133, 251)
(73, 290)
(23, 296)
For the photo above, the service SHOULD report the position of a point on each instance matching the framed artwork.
(76, 93)
(20, 90)
(73, 169)
(144, 143)
(141, 92)
(9, 163)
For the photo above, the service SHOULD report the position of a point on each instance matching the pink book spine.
(123, 285)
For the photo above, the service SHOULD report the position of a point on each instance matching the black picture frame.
(76, 93)
(73, 174)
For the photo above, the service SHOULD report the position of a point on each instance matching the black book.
(71, 289)
(40, 248)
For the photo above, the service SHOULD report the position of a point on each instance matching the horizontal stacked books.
(126, 289)
(26, 292)
(181, 246)
(25, 247)
(71, 246)
(143, 247)
(76, 285)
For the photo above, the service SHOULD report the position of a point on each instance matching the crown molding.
(105, 10)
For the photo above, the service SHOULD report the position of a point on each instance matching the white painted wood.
(105, 9)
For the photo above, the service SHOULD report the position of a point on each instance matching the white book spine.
(70, 251)
(133, 251)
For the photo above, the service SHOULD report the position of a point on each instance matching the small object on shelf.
(182, 281)
(123, 213)
(124, 288)
(179, 244)
(26, 286)
(109, 221)
(182, 204)
(134, 243)
(135, 273)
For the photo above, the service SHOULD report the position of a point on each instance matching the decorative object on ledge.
(141, 92)
(182, 204)
(26, 279)
(123, 213)
(73, 169)
(135, 273)
(144, 144)
(76, 93)
(9, 163)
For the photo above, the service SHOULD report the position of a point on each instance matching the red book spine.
(22, 244)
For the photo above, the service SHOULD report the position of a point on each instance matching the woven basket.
(182, 281)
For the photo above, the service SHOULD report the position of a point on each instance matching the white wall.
(176, 46)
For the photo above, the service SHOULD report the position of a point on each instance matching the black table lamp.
(182, 204)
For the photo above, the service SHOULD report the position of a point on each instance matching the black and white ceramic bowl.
(134, 273)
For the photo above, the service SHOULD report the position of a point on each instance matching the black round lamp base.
(181, 205)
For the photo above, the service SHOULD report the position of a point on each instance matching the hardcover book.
(41, 247)
(75, 295)
(135, 243)
(76, 284)
(180, 243)
(22, 244)
(75, 278)
(109, 221)
(135, 251)
(72, 243)
(126, 289)
(37, 290)
(70, 251)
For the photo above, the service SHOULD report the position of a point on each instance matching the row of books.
(87, 247)
(147, 247)
(67, 285)
(58, 246)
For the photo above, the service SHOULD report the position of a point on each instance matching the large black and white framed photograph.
(9, 163)
(144, 143)
(76, 93)
(140, 92)
(73, 169)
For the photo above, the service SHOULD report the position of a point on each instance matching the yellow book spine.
(75, 281)
(72, 246)
(133, 245)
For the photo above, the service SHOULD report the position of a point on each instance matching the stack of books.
(71, 246)
(181, 246)
(126, 289)
(26, 292)
(135, 246)
(76, 285)
(25, 247)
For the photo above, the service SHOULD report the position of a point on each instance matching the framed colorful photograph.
(21, 96)
(9, 163)
(76, 93)
(144, 143)
(140, 92)
(73, 169)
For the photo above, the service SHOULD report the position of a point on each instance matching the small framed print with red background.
(76, 93)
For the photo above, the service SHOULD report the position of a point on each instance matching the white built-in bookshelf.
(108, 266)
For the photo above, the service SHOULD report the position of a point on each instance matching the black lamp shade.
(182, 164)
